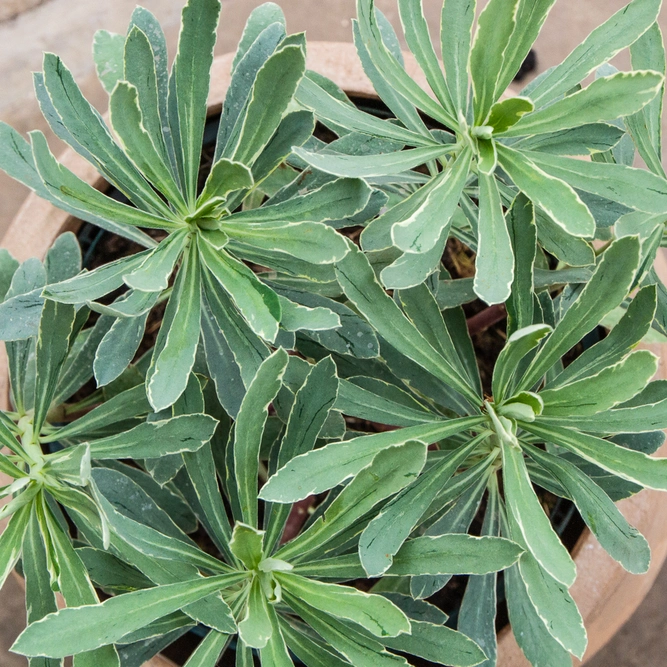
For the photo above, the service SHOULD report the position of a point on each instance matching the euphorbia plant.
(303, 460)
(158, 119)
(491, 142)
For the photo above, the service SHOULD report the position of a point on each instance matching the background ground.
(29, 27)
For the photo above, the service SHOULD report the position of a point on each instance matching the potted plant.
(300, 462)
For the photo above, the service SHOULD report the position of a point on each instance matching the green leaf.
(108, 56)
(528, 628)
(621, 340)
(552, 603)
(244, 74)
(616, 536)
(153, 274)
(312, 406)
(617, 33)
(377, 401)
(390, 471)
(257, 303)
(454, 554)
(642, 414)
(635, 188)
(186, 433)
(63, 259)
(340, 198)
(309, 241)
(8, 267)
(375, 613)
(209, 651)
(585, 140)
(494, 272)
(152, 542)
(325, 468)
(359, 649)
(118, 348)
(607, 98)
(59, 634)
(73, 194)
(91, 285)
(530, 17)
(145, 58)
(11, 542)
(225, 177)
(400, 106)
(633, 466)
(89, 136)
(176, 345)
(607, 288)
(421, 231)
(519, 344)
(477, 616)
(612, 385)
(256, 628)
(369, 166)
(438, 644)
(412, 269)
(311, 651)
(554, 239)
(126, 405)
(191, 75)
(40, 598)
(201, 469)
(390, 67)
(260, 18)
(249, 428)
(386, 533)
(507, 113)
(358, 280)
(275, 653)
(128, 123)
(559, 201)
(495, 27)
(521, 227)
(233, 351)
(419, 42)
(76, 588)
(247, 544)
(51, 350)
(328, 108)
(273, 90)
(648, 52)
(456, 36)
(296, 317)
(530, 519)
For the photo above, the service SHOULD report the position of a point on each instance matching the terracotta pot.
(605, 593)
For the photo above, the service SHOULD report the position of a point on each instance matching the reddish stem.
(486, 318)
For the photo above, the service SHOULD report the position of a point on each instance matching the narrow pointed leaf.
(249, 427)
(186, 433)
(59, 634)
(607, 98)
(423, 228)
(531, 520)
(557, 198)
(607, 288)
(494, 270)
(191, 74)
(608, 39)
(176, 346)
(374, 613)
(325, 468)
